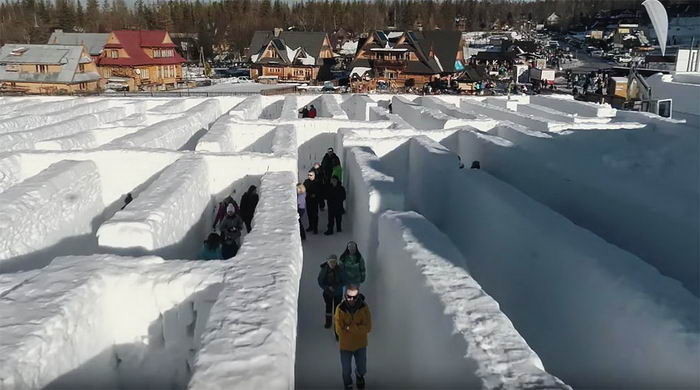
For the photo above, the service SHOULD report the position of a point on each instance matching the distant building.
(141, 60)
(47, 69)
(187, 45)
(93, 42)
(291, 55)
(553, 19)
(397, 56)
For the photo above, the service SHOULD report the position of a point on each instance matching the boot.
(329, 320)
(360, 381)
(328, 232)
(309, 229)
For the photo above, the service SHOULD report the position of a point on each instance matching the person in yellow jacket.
(352, 324)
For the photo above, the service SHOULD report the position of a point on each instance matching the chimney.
(276, 31)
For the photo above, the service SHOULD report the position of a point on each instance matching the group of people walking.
(225, 239)
(308, 112)
(346, 310)
(322, 188)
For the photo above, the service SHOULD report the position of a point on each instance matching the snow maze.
(569, 260)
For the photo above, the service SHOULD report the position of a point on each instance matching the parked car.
(597, 53)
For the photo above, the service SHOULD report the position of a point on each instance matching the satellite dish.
(138, 71)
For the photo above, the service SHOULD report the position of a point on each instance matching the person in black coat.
(329, 161)
(335, 197)
(249, 201)
(313, 196)
(321, 178)
(331, 281)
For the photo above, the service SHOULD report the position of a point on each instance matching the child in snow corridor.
(221, 212)
(212, 248)
(301, 208)
(335, 197)
(249, 201)
(331, 282)
(352, 324)
(352, 265)
(230, 229)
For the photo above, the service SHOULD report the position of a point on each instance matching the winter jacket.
(337, 172)
(352, 324)
(335, 196)
(313, 192)
(331, 277)
(249, 201)
(230, 229)
(301, 201)
(312, 113)
(353, 267)
(327, 164)
(208, 254)
(221, 212)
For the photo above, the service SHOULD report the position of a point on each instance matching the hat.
(332, 257)
(230, 208)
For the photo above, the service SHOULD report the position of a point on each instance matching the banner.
(659, 18)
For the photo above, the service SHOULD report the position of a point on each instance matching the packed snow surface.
(570, 259)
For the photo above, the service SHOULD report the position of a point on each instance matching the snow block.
(558, 116)
(87, 139)
(358, 107)
(422, 117)
(26, 139)
(599, 302)
(480, 122)
(290, 110)
(471, 340)
(105, 322)
(371, 192)
(172, 133)
(567, 104)
(229, 135)
(328, 107)
(62, 201)
(158, 220)
(250, 338)
(10, 170)
(249, 109)
(503, 114)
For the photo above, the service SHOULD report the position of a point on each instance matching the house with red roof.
(142, 60)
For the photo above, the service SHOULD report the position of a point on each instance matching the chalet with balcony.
(421, 56)
(142, 60)
(291, 55)
(47, 69)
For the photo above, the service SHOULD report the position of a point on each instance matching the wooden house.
(291, 55)
(145, 60)
(47, 69)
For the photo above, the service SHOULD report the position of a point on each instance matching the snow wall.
(250, 339)
(625, 193)
(61, 201)
(422, 117)
(358, 107)
(599, 302)
(106, 322)
(419, 264)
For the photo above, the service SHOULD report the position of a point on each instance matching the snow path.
(317, 357)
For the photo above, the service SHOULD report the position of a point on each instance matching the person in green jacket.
(337, 171)
(352, 265)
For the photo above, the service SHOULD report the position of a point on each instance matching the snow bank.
(62, 201)
(173, 133)
(250, 339)
(422, 117)
(469, 333)
(106, 322)
(616, 184)
(566, 103)
(370, 192)
(10, 170)
(26, 139)
(358, 107)
(558, 116)
(328, 107)
(249, 109)
(9, 282)
(160, 218)
(230, 135)
(381, 113)
(556, 270)
(176, 106)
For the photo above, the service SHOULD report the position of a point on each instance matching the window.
(83, 86)
(42, 69)
(12, 68)
(144, 73)
(81, 67)
(114, 54)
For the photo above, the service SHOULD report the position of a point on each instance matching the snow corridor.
(568, 260)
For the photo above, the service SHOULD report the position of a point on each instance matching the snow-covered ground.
(570, 259)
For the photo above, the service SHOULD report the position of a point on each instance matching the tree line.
(228, 25)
